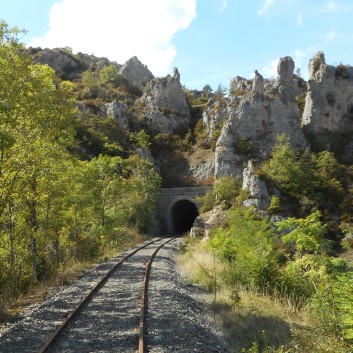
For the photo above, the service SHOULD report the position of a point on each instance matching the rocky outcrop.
(257, 188)
(208, 220)
(203, 170)
(68, 66)
(214, 116)
(328, 114)
(60, 61)
(257, 114)
(258, 83)
(118, 112)
(136, 73)
(163, 106)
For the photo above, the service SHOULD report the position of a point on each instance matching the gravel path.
(178, 319)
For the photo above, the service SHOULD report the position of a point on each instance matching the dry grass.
(253, 322)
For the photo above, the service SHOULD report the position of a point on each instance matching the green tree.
(207, 90)
(306, 234)
(36, 112)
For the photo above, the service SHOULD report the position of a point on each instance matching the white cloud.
(330, 6)
(330, 37)
(119, 30)
(265, 7)
(300, 20)
(271, 69)
(223, 5)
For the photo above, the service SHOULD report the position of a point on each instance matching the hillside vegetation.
(68, 192)
(278, 278)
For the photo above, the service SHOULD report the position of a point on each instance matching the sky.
(209, 41)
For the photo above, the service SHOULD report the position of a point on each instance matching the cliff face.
(164, 106)
(328, 114)
(258, 111)
(136, 73)
(244, 125)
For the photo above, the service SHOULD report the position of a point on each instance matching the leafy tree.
(109, 74)
(226, 189)
(91, 83)
(207, 90)
(35, 121)
(283, 166)
(221, 91)
(307, 234)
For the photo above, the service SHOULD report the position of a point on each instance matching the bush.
(275, 205)
(227, 188)
(248, 249)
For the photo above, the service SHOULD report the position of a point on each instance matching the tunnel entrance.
(183, 215)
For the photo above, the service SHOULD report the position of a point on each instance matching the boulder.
(206, 221)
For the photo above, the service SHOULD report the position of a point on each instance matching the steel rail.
(49, 342)
(144, 299)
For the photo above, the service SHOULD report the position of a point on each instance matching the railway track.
(114, 318)
(57, 342)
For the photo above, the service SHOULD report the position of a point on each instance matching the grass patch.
(254, 322)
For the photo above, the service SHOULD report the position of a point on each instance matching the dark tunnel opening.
(183, 215)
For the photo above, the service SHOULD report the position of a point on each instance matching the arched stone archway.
(181, 216)
(170, 209)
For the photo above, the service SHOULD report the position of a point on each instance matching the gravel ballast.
(178, 318)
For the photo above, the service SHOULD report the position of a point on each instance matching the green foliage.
(53, 207)
(141, 138)
(275, 205)
(283, 167)
(109, 75)
(227, 188)
(221, 91)
(207, 90)
(343, 296)
(224, 192)
(314, 180)
(200, 132)
(214, 138)
(91, 83)
(307, 234)
(208, 202)
(244, 146)
(248, 246)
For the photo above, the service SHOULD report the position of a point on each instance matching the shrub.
(208, 201)
(300, 101)
(227, 188)
(342, 71)
(275, 205)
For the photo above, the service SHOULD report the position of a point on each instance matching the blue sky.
(210, 41)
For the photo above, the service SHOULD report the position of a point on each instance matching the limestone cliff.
(136, 73)
(242, 125)
(257, 112)
(328, 114)
(69, 66)
(163, 107)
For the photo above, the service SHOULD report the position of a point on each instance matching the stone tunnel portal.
(182, 216)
